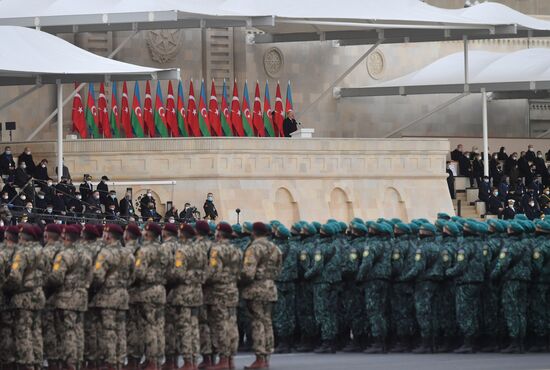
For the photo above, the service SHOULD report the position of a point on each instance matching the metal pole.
(80, 87)
(344, 75)
(466, 64)
(433, 111)
(59, 130)
(485, 135)
(20, 96)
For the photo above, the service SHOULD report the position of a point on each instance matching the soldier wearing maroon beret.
(202, 227)
(134, 229)
(167, 251)
(187, 232)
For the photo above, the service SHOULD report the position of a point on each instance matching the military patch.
(15, 266)
(213, 253)
(56, 266)
(460, 257)
(445, 257)
(417, 256)
(213, 262)
(98, 265)
(179, 259)
(366, 252)
(58, 258)
(396, 256)
(502, 255)
(317, 257)
(138, 262)
(536, 254)
(485, 252)
(353, 256)
(303, 256)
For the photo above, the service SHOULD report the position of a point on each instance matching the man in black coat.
(494, 205)
(86, 187)
(532, 210)
(289, 124)
(210, 211)
(530, 156)
(41, 173)
(484, 189)
(145, 201)
(126, 208)
(509, 212)
(477, 170)
(111, 200)
(93, 204)
(451, 181)
(465, 167)
(26, 157)
(457, 153)
(7, 164)
(23, 180)
(103, 189)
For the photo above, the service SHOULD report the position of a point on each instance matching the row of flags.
(173, 119)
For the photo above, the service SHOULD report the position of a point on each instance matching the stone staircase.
(467, 197)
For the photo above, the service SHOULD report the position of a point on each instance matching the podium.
(303, 133)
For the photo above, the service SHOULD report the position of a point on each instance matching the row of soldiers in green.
(458, 284)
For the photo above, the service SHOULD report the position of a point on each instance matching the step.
(461, 183)
(480, 208)
(472, 195)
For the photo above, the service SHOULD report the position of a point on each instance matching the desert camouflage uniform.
(134, 342)
(6, 315)
(204, 329)
(50, 336)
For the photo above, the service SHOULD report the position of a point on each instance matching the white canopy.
(27, 55)
(353, 21)
(524, 70)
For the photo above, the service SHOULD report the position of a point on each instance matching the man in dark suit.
(86, 188)
(26, 157)
(457, 153)
(111, 200)
(22, 179)
(465, 167)
(484, 189)
(530, 156)
(290, 125)
(7, 164)
(103, 189)
(210, 211)
(451, 181)
(509, 212)
(126, 208)
(494, 205)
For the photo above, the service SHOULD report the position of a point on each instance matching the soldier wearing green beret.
(375, 273)
(242, 240)
(513, 269)
(402, 292)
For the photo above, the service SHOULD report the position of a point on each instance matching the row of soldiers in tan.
(86, 301)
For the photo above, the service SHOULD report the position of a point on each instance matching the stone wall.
(312, 179)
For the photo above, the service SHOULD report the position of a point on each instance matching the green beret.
(456, 218)
(317, 225)
(237, 228)
(482, 228)
(212, 226)
(440, 224)
(274, 223)
(247, 227)
(343, 226)
(527, 225)
(414, 228)
(383, 227)
(496, 225)
(380, 220)
(516, 227)
(282, 231)
(403, 227)
(329, 229)
(369, 223)
(443, 216)
(358, 220)
(428, 227)
(544, 226)
(360, 227)
(521, 217)
(472, 225)
(331, 220)
(453, 228)
(395, 221)
(310, 229)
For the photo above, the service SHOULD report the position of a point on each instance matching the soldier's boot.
(353, 346)
(171, 363)
(259, 364)
(283, 346)
(425, 347)
(133, 364)
(223, 364)
(325, 347)
(150, 365)
(206, 362)
(447, 345)
(188, 363)
(399, 347)
(231, 363)
(491, 345)
(514, 347)
(467, 347)
(377, 347)
(539, 346)
(306, 345)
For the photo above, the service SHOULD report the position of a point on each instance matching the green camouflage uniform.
(539, 293)
(304, 295)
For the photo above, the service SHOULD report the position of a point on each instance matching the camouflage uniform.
(150, 295)
(7, 355)
(539, 299)
(92, 319)
(71, 274)
(262, 264)
(134, 334)
(204, 329)
(221, 296)
(25, 282)
(243, 315)
(111, 300)
(50, 336)
(186, 276)
(304, 298)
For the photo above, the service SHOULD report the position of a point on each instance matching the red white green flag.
(91, 114)
(160, 114)
(103, 113)
(236, 118)
(125, 112)
(257, 118)
(225, 116)
(214, 113)
(79, 119)
(204, 123)
(148, 119)
(182, 124)
(136, 116)
(192, 117)
(113, 117)
(247, 116)
(171, 117)
(279, 117)
(268, 122)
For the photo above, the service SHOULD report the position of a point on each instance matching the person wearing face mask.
(40, 202)
(111, 200)
(150, 213)
(536, 186)
(111, 213)
(502, 156)
(126, 208)
(49, 215)
(172, 213)
(58, 203)
(509, 212)
(530, 155)
(41, 173)
(451, 181)
(457, 153)
(210, 211)
(484, 190)
(7, 164)
(5, 199)
(93, 202)
(145, 200)
(494, 204)
(493, 170)
(86, 187)
(532, 210)
(22, 179)
(465, 167)
(544, 199)
(19, 202)
(187, 215)
(477, 169)
(9, 188)
(28, 212)
(474, 153)
(26, 157)
(523, 165)
(541, 169)
(76, 205)
(103, 189)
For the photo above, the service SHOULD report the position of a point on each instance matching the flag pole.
(59, 130)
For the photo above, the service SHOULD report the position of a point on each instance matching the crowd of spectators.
(29, 194)
(517, 183)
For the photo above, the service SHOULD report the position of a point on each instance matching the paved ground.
(403, 362)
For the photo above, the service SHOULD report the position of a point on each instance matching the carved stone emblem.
(273, 62)
(164, 45)
(376, 64)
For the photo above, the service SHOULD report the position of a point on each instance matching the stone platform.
(285, 179)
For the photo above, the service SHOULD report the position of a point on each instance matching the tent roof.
(525, 70)
(28, 55)
(352, 21)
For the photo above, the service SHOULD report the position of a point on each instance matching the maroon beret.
(114, 229)
(171, 228)
(28, 229)
(187, 229)
(38, 232)
(259, 227)
(133, 229)
(91, 230)
(71, 229)
(224, 227)
(79, 227)
(13, 230)
(99, 228)
(2, 229)
(153, 227)
(53, 228)
(202, 227)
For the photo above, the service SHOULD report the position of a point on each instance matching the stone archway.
(286, 208)
(393, 205)
(340, 206)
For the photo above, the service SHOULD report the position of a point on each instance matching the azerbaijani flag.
(268, 122)
(289, 106)
(79, 119)
(181, 112)
(113, 117)
(91, 113)
(148, 120)
(257, 115)
(204, 123)
(247, 117)
(136, 116)
(236, 118)
(125, 119)
(225, 116)
(160, 114)
(103, 113)
(214, 112)
(171, 119)
(192, 118)
(279, 117)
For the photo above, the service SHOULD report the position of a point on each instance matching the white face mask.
(40, 197)
(211, 199)
(149, 194)
(29, 208)
(531, 204)
(43, 165)
(113, 196)
(28, 153)
(23, 197)
(50, 183)
(5, 197)
(49, 210)
(171, 221)
(8, 152)
(96, 196)
(79, 197)
(23, 166)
